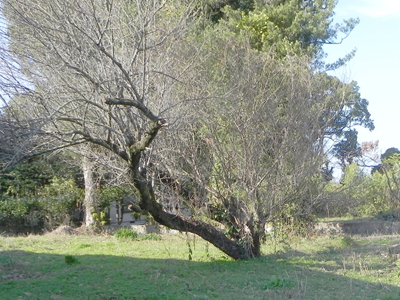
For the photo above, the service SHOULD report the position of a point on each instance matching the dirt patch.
(64, 230)
(357, 227)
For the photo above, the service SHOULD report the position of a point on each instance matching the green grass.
(104, 267)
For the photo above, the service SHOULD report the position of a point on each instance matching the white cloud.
(377, 8)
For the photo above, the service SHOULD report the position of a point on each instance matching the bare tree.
(104, 73)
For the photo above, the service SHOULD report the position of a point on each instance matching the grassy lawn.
(103, 267)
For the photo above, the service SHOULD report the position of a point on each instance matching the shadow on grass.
(27, 275)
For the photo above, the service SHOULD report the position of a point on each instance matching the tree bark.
(90, 195)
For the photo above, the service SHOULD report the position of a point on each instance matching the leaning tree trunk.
(202, 229)
(149, 204)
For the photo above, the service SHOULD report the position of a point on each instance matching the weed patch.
(71, 260)
(347, 241)
(126, 233)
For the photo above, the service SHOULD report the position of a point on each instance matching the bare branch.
(138, 105)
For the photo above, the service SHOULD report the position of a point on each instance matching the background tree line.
(217, 116)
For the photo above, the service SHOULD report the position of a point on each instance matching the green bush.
(110, 194)
(21, 215)
(49, 207)
(100, 219)
(59, 201)
(126, 233)
(39, 193)
(389, 215)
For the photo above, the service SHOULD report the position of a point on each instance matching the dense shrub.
(59, 202)
(40, 192)
(48, 207)
(21, 214)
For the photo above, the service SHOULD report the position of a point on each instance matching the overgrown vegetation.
(40, 194)
(360, 194)
(43, 193)
(213, 116)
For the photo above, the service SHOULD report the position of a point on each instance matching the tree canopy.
(289, 26)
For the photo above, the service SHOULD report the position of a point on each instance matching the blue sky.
(376, 66)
